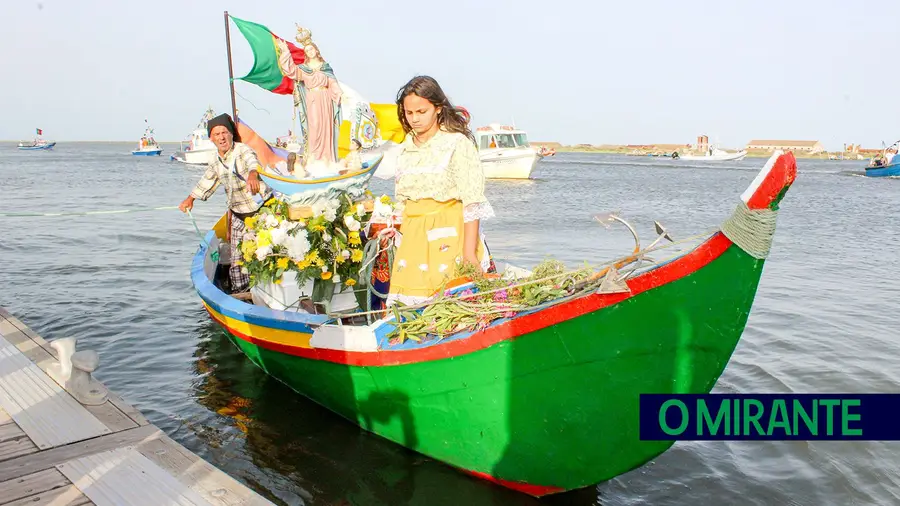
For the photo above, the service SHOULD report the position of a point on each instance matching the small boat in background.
(289, 143)
(147, 146)
(37, 143)
(505, 152)
(709, 152)
(887, 164)
(714, 155)
(200, 150)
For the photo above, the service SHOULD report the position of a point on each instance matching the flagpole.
(230, 71)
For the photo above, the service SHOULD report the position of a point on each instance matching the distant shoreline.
(89, 142)
(750, 154)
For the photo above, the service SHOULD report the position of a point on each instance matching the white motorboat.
(200, 150)
(505, 152)
(715, 155)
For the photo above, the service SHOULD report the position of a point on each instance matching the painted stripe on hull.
(696, 259)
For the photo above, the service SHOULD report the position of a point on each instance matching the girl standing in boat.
(440, 181)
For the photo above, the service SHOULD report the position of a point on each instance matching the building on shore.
(772, 145)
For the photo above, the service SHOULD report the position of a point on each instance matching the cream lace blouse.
(447, 167)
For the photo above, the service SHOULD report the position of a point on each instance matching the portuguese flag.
(266, 73)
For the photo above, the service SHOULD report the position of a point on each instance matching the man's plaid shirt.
(219, 171)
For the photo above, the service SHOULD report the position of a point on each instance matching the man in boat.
(234, 167)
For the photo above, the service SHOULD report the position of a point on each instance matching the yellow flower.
(312, 256)
(248, 248)
(326, 275)
(354, 238)
(356, 255)
(303, 264)
(250, 222)
(320, 262)
(270, 201)
(282, 263)
(385, 199)
(278, 281)
(350, 282)
(264, 239)
(339, 259)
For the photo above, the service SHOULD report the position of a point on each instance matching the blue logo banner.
(773, 417)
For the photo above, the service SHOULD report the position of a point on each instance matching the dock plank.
(216, 487)
(37, 483)
(124, 476)
(21, 466)
(64, 496)
(16, 447)
(43, 409)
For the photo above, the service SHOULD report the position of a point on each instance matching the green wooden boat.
(545, 401)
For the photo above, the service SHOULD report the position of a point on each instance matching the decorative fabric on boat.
(751, 229)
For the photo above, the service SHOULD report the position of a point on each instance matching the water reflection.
(320, 457)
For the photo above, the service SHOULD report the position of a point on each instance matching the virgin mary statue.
(317, 95)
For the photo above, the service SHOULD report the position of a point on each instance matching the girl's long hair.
(451, 119)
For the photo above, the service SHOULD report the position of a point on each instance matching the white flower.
(297, 246)
(336, 279)
(324, 268)
(423, 267)
(326, 237)
(263, 252)
(382, 209)
(442, 268)
(249, 235)
(330, 214)
(271, 221)
(279, 236)
(360, 210)
(345, 254)
(318, 208)
(351, 223)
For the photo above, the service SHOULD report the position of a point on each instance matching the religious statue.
(317, 95)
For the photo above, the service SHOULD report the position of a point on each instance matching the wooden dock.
(57, 451)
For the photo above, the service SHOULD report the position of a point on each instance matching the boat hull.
(477, 411)
(730, 157)
(38, 148)
(509, 164)
(199, 157)
(892, 170)
(149, 152)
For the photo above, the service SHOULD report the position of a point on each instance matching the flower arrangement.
(325, 246)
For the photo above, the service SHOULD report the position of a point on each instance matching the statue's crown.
(304, 36)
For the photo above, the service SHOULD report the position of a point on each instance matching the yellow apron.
(430, 247)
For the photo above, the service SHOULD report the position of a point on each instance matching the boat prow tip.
(772, 182)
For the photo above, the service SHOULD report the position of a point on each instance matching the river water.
(824, 320)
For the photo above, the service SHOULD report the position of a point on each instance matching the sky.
(574, 72)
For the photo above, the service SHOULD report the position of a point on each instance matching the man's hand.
(187, 204)
(253, 182)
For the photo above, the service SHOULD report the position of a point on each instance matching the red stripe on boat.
(679, 268)
(535, 490)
